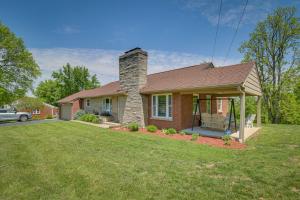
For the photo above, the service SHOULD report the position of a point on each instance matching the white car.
(6, 115)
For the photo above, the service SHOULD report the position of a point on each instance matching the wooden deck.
(218, 134)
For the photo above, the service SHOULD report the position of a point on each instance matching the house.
(46, 111)
(43, 112)
(167, 99)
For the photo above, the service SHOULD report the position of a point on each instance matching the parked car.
(8, 114)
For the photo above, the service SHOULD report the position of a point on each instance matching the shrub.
(133, 126)
(152, 128)
(195, 136)
(89, 118)
(182, 133)
(226, 139)
(169, 131)
(49, 117)
(164, 131)
(78, 114)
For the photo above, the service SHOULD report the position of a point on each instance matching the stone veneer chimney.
(132, 77)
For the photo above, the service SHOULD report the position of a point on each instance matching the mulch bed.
(216, 142)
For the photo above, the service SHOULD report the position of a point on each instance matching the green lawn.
(67, 160)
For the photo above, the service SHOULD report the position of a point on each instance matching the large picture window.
(162, 106)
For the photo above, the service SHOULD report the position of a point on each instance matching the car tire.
(23, 118)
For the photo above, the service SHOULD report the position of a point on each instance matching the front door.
(107, 105)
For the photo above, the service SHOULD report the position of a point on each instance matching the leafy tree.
(29, 103)
(17, 67)
(48, 91)
(274, 46)
(66, 81)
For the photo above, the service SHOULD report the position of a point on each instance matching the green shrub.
(49, 117)
(151, 128)
(164, 131)
(78, 114)
(226, 139)
(195, 136)
(89, 118)
(133, 126)
(182, 133)
(170, 131)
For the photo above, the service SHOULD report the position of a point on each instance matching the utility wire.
(215, 40)
(235, 33)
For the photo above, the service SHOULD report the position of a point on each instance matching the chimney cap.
(136, 48)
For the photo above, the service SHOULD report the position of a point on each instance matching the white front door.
(107, 105)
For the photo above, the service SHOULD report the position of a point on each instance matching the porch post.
(242, 117)
(258, 111)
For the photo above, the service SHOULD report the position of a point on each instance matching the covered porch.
(217, 125)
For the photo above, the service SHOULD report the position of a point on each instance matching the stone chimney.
(132, 77)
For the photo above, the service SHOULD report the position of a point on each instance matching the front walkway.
(218, 134)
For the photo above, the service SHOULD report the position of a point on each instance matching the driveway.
(17, 123)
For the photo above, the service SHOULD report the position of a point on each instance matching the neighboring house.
(44, 112)
(166, 99)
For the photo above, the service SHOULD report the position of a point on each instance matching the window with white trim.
(36, 112)
(162, 106)
(219, 104)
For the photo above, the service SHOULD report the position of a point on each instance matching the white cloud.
(104, 63)
(231, 10)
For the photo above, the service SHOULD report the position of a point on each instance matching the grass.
(67, 160)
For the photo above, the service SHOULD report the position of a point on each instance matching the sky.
(91, 33)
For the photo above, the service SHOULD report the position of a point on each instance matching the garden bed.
(216, 142)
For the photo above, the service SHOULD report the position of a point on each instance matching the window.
(195, 98)
(36, 112)
(3, 111)
(162, 106)
(208, 104)
(219, 105)
(107, 105)
(87, 102)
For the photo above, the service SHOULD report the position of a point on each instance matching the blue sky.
(176, 33)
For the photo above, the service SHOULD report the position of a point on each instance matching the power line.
(215, 40)
(235, 33)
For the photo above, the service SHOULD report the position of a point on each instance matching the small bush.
(89, 118)
(164, 131)
(49, 117)
(195, 136)
(226, 139)
(182, 133)
(79, 113)
(152, 128)
(170, 131)
(133, 126)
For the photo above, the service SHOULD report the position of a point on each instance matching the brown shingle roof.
(112, 88)
(197, 76)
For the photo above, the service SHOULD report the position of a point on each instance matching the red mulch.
(216, 142)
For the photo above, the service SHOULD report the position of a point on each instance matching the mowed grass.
(67, 160)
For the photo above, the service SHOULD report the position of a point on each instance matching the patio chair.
(249, 120)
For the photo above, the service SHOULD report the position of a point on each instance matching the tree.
(29, 103)
(66, 81)
(48, 91)
(17, 67)
(274, 46)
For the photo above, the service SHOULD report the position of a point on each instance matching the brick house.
(167, 99)
(43, 112)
